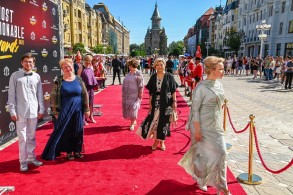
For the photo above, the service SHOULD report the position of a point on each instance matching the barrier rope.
(262, 161)
(236, 131)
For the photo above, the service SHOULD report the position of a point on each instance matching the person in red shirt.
(190, 69)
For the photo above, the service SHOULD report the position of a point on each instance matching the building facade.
(114, 32)
(92, 27)
(199, 33)
(245, 15)
(155, 38)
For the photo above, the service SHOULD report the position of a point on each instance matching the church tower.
(155, 39)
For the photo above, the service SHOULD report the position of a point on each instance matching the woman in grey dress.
(205, 161)
(132, 89)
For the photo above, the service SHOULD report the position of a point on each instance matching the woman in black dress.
(162, 101)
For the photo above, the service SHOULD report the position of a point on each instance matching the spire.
(156, 14)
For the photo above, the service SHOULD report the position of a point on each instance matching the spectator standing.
(26, 106)
(116, 64)
(90, 82)
(289, 73)
(169, 65)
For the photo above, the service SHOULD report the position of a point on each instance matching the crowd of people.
(73, 93)
(270, 68)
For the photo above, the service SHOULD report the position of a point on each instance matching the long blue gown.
(67, 135)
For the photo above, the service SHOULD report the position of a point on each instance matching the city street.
(271, 104)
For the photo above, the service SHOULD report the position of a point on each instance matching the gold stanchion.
(228, 146)
(250, 178)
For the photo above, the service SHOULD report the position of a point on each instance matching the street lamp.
(262, 36)
(184, 50)
(104, 47)
(207, 46)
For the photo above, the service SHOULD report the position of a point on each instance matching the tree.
(233, 39)
(79, 47)
(98, 49)
(174, 45)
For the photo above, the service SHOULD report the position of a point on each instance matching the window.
(278, 52)
(256, 16)
(290, 26)
(260, 14)
(270, 11)
(244, 21)
(281, 28)
(232, 18)
(292, 5)
(283, 6)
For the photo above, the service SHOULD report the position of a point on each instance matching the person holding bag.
(162, 102)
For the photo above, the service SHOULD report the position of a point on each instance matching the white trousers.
(26, 130)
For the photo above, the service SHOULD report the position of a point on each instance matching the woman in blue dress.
(69, 102)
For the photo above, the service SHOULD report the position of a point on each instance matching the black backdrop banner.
(27, 26)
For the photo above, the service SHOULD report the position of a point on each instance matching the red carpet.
(116, 160)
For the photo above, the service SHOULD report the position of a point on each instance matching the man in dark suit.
(116, 64)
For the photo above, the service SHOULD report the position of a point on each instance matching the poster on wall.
(27, 26)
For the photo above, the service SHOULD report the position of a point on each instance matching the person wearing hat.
(188, 79)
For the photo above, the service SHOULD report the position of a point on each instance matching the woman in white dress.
(205, 161)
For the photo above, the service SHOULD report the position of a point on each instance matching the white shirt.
(25, 95)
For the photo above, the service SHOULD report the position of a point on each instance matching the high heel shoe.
(203, 188)
(155, 145)
(226, 192)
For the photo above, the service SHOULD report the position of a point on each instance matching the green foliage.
(233, 39)
(176, 52)
(174, 45)
(137, 50)
(79, 47)
(98, 49)
(134, 53)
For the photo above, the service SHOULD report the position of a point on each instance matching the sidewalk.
(273, 110)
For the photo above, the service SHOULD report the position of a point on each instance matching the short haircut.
(65, 60)
(157, 60)
(28, 55)
(133, 63)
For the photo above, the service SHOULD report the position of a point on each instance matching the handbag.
(174, 117)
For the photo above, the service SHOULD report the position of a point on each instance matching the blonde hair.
(157, 60)
(65, 60)
(211, 62)
(90, 57)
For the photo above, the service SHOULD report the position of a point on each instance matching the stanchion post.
(228, 146)
(250, 178)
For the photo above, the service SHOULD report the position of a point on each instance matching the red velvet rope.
(262, 161)
(241, 131)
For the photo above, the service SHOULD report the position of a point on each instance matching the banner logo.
(44, 53)
(6, 71)
(33, 20)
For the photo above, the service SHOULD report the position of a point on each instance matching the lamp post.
(184, 50)
(104, 47)
(207, 46)
(262, 36)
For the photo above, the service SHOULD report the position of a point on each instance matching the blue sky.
(177, 15)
